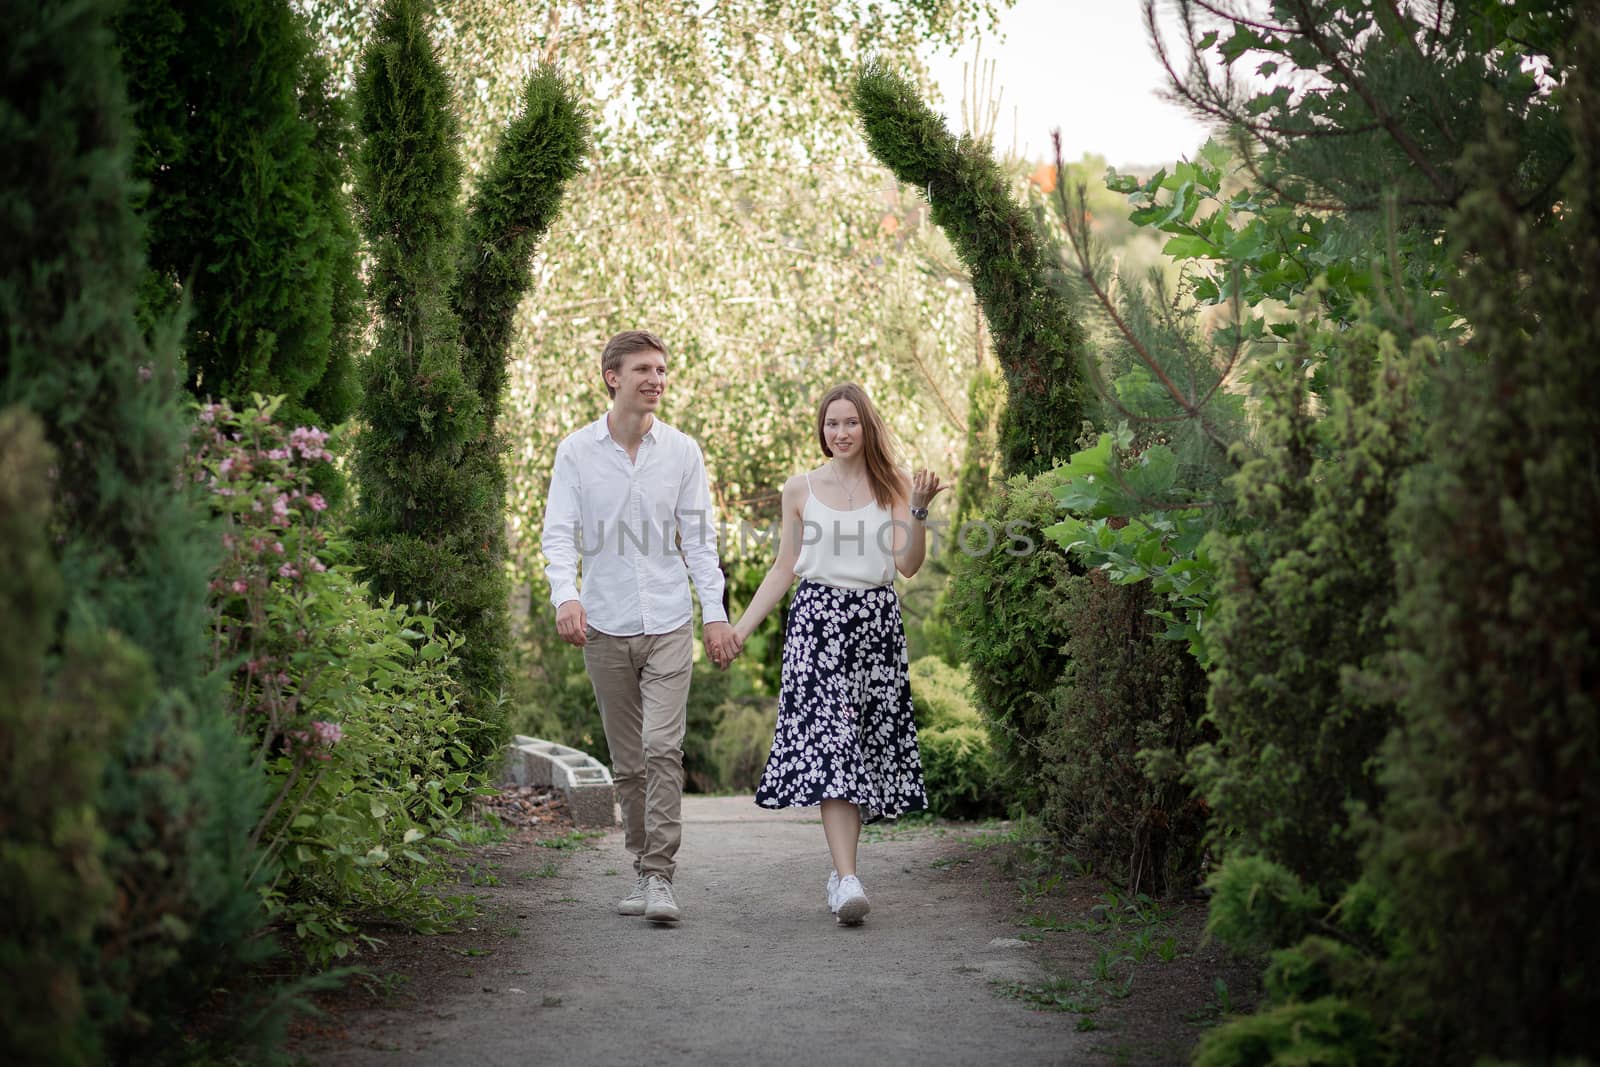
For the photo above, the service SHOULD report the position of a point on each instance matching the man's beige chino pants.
(641, 684)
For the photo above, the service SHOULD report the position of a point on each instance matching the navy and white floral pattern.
(845, 729)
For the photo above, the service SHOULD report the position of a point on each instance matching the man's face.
(640, 382)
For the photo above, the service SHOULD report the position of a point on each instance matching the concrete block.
(583, 780)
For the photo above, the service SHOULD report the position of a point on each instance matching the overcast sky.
(1085, 66)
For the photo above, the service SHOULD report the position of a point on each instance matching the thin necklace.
(849, 494)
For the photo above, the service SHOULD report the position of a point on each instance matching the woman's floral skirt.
(845, 729)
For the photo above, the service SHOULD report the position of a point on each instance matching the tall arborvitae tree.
(58, 724)
(516, 200)
(432, 488)
(239, 149)
(1037, 339)
(333, 140)
(422, 512)
(1488, 843)
(175, 800)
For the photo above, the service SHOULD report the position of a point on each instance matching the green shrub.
(365, 816)
(1004, 603)
(961, 773)
(428, 514)
(1487, 840)
(1121, 723)
(58, 725)
(1316, 967)
(959, 765)
(740, 745)
(431, 526)
(176, 801)
(551, 696)
(240, 150)
(1299, 629)
(1329, 1032)
(1258, 905)
(351, 708)
(941, 695)
(925, 612)
(711, 692)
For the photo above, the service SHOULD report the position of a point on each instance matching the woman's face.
(841, 428)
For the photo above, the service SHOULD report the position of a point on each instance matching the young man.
(629, 496)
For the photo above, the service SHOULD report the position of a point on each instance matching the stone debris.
(528, 806)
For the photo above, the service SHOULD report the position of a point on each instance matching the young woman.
(845, 737)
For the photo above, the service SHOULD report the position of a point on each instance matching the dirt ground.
(980, 948)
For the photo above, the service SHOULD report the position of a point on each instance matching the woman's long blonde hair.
(877, 443)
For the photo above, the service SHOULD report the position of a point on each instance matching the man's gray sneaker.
(659, 907)
(850, 901)
(833, 888)
(633, 903)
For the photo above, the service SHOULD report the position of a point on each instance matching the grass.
(484, 828)
(1221, 1004)
(573, 839)
(1127, 930)
(477, 876)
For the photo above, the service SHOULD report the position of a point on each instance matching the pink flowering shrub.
(351, 705)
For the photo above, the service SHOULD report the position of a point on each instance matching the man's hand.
(722, 644)
(571, 623)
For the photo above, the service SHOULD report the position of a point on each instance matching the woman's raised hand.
(925, 486)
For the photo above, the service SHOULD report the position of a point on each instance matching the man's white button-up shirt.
(626, 520)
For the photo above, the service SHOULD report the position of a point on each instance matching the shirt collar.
(602, 429)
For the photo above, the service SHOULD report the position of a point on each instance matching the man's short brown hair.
(626, 344)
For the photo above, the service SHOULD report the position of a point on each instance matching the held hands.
(925, 486)
(723, 643)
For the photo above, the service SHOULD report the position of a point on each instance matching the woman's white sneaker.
(850, 901)
(833, 888)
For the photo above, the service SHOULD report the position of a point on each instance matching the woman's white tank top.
(848, 549)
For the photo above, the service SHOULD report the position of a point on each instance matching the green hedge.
(1121, 723)
(959, 764)
(1003, 602)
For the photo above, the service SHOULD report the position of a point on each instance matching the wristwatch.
(920, 514)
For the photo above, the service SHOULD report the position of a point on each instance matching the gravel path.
(757, 972)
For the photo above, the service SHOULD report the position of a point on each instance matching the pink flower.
(328, 733)
(309, 441)
(144, 374)
(316, 502)
(277, 546)
(317, 565)
(240, 585)
(288, 571)
(280, 508)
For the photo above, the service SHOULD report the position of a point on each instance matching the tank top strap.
(809, 491)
